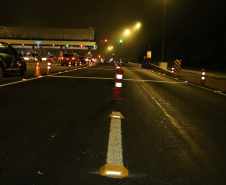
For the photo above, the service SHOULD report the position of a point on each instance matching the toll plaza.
(41, 40)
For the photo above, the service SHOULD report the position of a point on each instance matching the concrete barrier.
(135, 64)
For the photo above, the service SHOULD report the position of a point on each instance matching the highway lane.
(31, 68)
(54, 130)
(178, 130)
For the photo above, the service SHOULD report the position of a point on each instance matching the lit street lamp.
(138, 26)
(127, 32)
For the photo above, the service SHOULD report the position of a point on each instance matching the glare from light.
(138, 25)
(127, 32)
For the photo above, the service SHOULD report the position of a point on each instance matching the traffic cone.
(37, 72)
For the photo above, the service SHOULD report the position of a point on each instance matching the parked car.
(68, 57)
(10, 61)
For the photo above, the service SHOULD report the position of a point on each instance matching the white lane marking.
(100, 78)
(114, 154)
(215, 91)
(192, 143)
(21, 81)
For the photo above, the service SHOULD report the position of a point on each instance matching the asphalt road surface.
(54, 130)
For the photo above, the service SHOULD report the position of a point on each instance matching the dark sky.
(111, 18)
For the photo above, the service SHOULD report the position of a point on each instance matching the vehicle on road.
(68, 57)
(10, 61)
(88, 57)
(29, 58)
(52, 58)
(37, 57)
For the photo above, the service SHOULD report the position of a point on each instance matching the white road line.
(21, 81)
(114, 154)
(100, 78)
(114, 166)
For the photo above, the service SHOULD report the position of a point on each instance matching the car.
(29, 58)
(10, 60)
(68, 57)
(37, 57)
(52, 58)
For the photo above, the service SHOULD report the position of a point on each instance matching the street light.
(127, 32)
(163, 31)
(110, 47)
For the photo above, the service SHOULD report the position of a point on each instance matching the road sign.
(177, 66)
(38, 42)
(148, 54)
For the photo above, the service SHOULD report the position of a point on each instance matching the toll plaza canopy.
(48, 37)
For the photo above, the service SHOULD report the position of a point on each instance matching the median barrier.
(135, 64)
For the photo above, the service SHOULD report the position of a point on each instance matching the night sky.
(186, 21)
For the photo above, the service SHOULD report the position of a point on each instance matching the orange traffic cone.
(37, 72)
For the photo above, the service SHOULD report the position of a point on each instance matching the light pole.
(163, 31)
(127, 32)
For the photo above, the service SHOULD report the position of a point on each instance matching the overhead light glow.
(127, 32)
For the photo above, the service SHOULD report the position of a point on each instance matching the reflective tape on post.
(203, 78)
(69, 66)
(172, 72)
(49, 67)
(118, 84)
(119, 76)
(117, 65)
(80, 65)
(76, 65)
